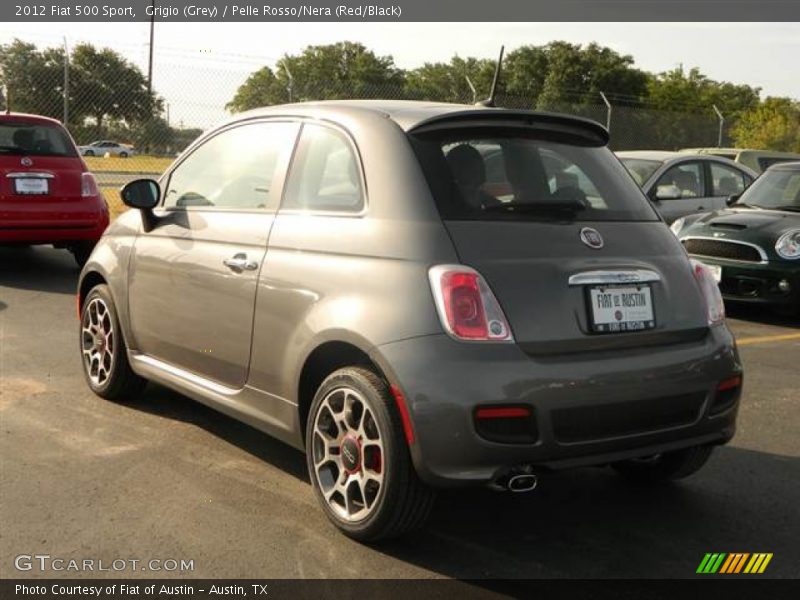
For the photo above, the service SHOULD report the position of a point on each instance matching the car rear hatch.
(574, 253)
(41, 178)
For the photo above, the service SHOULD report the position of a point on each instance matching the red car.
(47, 195)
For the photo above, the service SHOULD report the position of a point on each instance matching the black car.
(753, 246)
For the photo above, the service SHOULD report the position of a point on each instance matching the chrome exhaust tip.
(522, 483)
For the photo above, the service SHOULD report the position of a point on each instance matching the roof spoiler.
(588, 131)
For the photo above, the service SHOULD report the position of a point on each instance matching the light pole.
(66, 83)
(150, 60)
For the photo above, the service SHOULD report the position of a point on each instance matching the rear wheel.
(103, 351)
(123, 155)
(89, 153)
(666, 466)
(358, 460)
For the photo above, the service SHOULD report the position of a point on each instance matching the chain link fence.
(188, 96)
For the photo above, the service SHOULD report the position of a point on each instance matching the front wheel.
(358, 460)
(667, 466)
(103, 351)
(123, 155)
(89, 153)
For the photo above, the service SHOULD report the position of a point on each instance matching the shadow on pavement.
(584, 523)
(760, 314)
(163, 402)
(42, 269)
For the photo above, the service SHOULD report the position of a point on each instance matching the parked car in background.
(680, 184)
(352, 286)
(758, 160)
(47, 195)
(103, 147)
(753, 246)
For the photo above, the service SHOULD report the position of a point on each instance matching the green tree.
(772, 125)
(105, 86)
(692, 92)
(33, 79)
(341, 70)
(447, 82)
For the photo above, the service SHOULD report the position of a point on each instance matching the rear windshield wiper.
(536, 207)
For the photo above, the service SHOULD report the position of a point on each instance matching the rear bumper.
(51, 228)
(588, 408)
(758, 284)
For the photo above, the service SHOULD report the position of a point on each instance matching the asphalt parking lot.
(166, 478)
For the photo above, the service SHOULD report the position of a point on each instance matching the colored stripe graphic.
(733, 563)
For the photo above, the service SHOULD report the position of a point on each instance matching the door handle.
(239, 262)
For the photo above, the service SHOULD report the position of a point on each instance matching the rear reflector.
(510, 412)
(405, 418)
(730, 384)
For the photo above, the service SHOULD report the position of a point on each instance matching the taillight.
(467, 307)
(89, 185)
(715, 308)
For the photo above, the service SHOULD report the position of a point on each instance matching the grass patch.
(133, 164)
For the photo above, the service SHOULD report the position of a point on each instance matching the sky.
(198, 66)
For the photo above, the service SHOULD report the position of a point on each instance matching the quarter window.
(325, 175)
(726, 181)
(237, 168)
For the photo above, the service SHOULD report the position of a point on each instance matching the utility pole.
(66, 83)
(472, 88)
(150, 61)
(290, 87)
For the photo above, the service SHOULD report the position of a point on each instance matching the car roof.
(411, 115)
(738, 151)
(785, 166)
(658, 155)
(15, 116)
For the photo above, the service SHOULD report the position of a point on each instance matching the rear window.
(34, 139)
(512, 174)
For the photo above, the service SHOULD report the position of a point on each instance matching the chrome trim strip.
(761, 253)
(614, 277)
(30, 175)
(186, 375)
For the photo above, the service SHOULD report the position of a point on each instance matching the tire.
(123, 155)
(89, 153)
(665, 467)
(81, 252)
(354, 410)
(105, 363)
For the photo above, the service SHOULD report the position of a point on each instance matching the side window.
(325, 175)
(234, 169)
(687, 178)
(726, 181)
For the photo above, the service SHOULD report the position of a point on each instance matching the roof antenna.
(490, 100)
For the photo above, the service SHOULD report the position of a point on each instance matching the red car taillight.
(715, 307)
(89, 185)
(467, 307)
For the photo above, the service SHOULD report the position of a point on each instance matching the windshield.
(34, 139)
(512, 174)
(774, 189)
(641, 170)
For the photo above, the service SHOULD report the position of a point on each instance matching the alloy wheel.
(348, 454)
(98, 340)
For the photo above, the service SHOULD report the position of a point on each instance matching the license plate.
(30, 185)
(716, 272)
(621, 308)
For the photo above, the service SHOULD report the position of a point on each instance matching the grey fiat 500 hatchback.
(419, 296)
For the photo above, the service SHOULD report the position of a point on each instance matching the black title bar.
(398, 10)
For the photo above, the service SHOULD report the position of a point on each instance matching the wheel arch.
(324, 359)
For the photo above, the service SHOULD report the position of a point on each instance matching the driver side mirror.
(144, 195)
(668, 192)
(731, 200)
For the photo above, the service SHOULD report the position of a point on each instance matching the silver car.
(103, 147)
(358, 287)
(681, 184)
